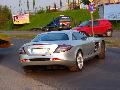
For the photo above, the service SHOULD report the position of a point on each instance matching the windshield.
(51, 37)
(84, 23)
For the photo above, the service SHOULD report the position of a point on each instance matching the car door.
(96, 27)
(83, 42)
(52, 25)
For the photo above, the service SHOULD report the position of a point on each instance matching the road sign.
(91, 1)
(91, 7)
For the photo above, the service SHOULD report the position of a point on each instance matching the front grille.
(40, 59)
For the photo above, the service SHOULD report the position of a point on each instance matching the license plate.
(39, 51)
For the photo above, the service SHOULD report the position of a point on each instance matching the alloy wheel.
(79, 60)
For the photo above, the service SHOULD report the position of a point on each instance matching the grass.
(116, 25)
(40, 20)
(112, 42)
(8, 37)
(4, 37)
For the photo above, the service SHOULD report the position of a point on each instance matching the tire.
(101, 54)
(109, 33)
(79, 63)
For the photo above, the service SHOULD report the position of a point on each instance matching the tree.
(19, 3)
(68, 2)
(86, 2)
(33, 4)
(28, 5)
(55, 6)
(5, 17)
(60, 4)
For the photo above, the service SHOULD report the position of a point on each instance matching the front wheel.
(109, 33)
(79, 63)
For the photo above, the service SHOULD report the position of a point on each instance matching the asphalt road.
(96, 74)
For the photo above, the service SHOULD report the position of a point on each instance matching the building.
(106, 1)
(73, 4)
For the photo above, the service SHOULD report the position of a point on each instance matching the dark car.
(59, 23)
(101, 27)
(4, 41)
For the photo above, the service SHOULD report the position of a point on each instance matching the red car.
(101, 27)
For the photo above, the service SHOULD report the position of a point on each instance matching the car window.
(84, 23)
(51, 37)
(77, 36)
(95, 23)
(56, 21)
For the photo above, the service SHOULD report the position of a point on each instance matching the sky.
(39, 3)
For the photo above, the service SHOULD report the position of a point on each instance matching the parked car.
(59, 23)
(101, 27)
(68, 47)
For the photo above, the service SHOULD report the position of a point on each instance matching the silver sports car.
(69, 48)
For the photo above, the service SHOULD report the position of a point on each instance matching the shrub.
(5, 17)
